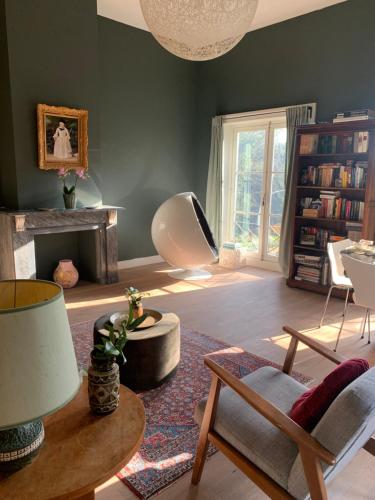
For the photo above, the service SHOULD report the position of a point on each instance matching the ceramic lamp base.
(19, 445)
(190, 274)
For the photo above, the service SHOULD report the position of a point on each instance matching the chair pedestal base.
(190, 274)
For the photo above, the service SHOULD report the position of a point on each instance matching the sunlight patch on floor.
(325, 335)
(228, 350)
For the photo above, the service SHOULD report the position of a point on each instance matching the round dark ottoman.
(152, 355)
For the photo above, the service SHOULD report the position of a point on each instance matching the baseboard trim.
(140, 261)
(264, 264)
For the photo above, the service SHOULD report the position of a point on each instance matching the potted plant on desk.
(103, 374)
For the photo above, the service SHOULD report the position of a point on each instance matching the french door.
(254, 185)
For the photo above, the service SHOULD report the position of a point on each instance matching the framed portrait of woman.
(62, 137)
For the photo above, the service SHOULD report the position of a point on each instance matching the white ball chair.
(182, 237)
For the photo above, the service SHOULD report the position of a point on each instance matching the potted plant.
(135, 297)
(69, 192)
(103, 374)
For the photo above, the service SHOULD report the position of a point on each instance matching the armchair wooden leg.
(314, 475)
(207, 423)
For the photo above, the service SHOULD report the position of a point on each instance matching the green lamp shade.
(38, 367)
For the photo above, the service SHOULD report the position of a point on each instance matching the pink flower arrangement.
(79, 173)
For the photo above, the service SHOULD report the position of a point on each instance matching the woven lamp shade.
(198, 30)
(38, 367)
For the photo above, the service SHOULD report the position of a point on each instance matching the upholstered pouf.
(152, 355)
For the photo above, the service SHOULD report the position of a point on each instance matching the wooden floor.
(246, 308)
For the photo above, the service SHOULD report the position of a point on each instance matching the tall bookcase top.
(336, 127)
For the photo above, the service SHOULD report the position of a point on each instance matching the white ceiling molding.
(269, 11)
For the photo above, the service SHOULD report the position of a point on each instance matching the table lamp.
(38, 367)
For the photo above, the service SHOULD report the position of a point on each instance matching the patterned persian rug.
(171, 434)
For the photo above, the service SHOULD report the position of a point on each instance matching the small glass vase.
(69, 200)
(103, 384)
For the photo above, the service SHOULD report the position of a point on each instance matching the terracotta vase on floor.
(66, 274)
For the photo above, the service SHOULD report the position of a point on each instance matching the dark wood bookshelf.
(327, 219)
(332, 155)
(300, 190)
(308, 247)
(323, 188)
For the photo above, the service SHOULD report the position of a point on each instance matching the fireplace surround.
(99, 242)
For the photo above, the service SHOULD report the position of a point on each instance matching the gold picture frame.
(62, 137)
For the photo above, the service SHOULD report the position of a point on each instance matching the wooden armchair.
(256, 434)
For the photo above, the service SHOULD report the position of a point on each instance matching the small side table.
(152, 354)
(80, 451)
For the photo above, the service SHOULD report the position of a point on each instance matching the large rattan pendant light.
(198, 30)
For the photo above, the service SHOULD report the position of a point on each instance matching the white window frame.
(232, 124)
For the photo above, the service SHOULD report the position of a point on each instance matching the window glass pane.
(249, 187)
(277, 191)
(247, 230)
(279, 151)
(274, 235)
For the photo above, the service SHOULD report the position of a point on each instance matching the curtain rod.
(272, 111)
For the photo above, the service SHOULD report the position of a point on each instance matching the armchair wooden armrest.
(313, 344)
(272, 413)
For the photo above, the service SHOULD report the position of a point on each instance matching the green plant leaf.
(131, 314)
(138, 321)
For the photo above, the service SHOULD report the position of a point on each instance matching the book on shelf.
(308, 144)
(311, 212)
(355, 115)
(318, 237)
(327, 144)
(350, 175)
(332, 207)
(312, 268)
(360, 144)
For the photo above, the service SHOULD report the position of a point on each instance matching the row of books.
(331, 206)
(313, 269)
(318, 237)
(355, 115)
(350, 175)
(348, 142)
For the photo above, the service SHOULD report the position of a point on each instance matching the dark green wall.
(150, 112)
(52, 51)
(325, 57)
(8, 178)
(148, 104)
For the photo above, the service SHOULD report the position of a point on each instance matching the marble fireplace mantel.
(17, 246)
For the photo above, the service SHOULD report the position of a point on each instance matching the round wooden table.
(80, 450)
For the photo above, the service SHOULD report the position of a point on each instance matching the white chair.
(182, 236)
(362, 275)
(339, 280)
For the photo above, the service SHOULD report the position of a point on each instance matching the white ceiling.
(269, 11)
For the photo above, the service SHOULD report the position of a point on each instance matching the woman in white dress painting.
(62, 147)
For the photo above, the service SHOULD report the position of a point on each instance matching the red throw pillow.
(312, 404)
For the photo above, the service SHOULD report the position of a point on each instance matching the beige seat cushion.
(250, 433)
